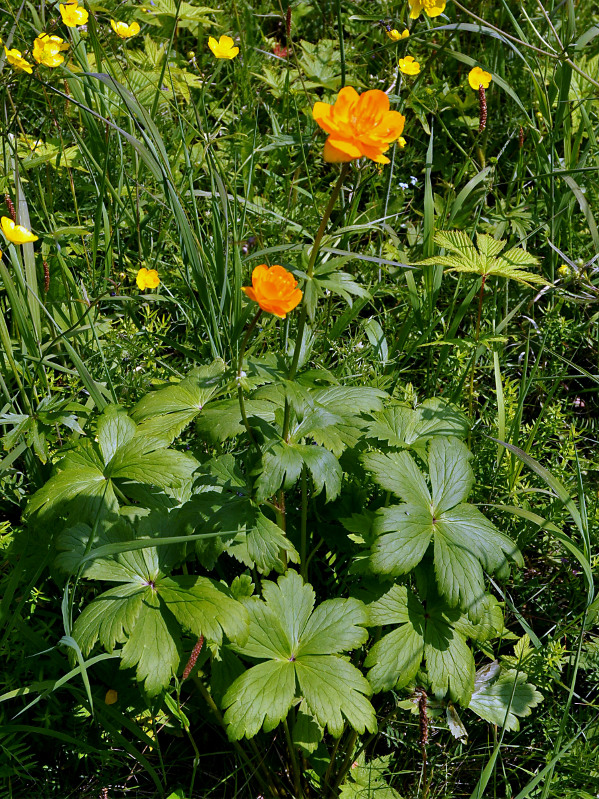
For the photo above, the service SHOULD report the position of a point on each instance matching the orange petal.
(249, 291)
(345, 101)
(343, 145)
(323, 116)
(374, 101)
(334, 156)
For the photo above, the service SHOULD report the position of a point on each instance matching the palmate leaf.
(367, 780)
(166, 412)
(503, 701)
(485, 259)
(84, 478)
(464, 541)
(432, 633)
(292, 640)
(147, 612)
(282, 465)
(408, 428)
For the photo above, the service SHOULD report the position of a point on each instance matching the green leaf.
(115, 428)
(450, 473)
(169, 410)
(483, 261)
(222, 419)
(259, 698)
(335, 689)
(307, 732)
(109, 617)
(204, 607)
(465, 541)
(403, 535)
(282, 464)
(503, 701)
(405, 427)
(432, 633)
(283, 630)
(396, 472)
(367, 780)
(152, 646)
(142, 461)
(84, 483)
(449, 659)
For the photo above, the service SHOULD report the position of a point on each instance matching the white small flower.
(403, 186)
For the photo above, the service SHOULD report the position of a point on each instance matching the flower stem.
(349, 758)
(304, 526)
(476, 337)
(240, 397)
(297, 783)
(313, 255)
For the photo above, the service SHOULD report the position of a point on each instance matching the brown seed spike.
(11, 207)
(195, 652)
(288, 23)
(521, 137)
(46, 277)
(482, 104)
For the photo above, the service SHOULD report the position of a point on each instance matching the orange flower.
(274, 289)
(358, 125)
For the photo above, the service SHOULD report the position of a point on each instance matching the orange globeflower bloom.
(358, 125)
(274, 289)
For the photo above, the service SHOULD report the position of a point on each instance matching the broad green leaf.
(504, 700)
(283, 630)
(115, 428)
(465, 541)
(450, 473)
(350, 399)
(323, 467)
(222, 419)
(431, 632)
(307, 732)
(204, 607)
(152, 646)
(336, 625)
(406, 427)
(334, 690)
(367, 780)
(449, 659)
(140, 460)
(396, 472)
(109, 617)
(395, 659)
(259, 698)
(454, 723)
(292, 602)
(266, 542)
(168, 410)
(84, 483)
(403, 534)
(281, 468)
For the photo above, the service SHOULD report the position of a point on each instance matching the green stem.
(240, 396)
(304, 526)
(313, 255)
(349, 759)
(297, 782)
(476, 337)
(268, 785)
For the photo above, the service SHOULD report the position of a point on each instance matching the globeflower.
(72, 14)
(274, 289)
(47, 50)
(358, 125)
(123, 30)
(224, 48)
(408, 66)
(147, 279)
(17, 234)
(16, 60)
(432, 7)
(478, 77)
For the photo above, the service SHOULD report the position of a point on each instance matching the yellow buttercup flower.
(123, 30)
(408, 66)
(432, 7)
(395, 35)
(147, 279)
(224, 48)
(17, 234)
(16, 60)
(47, 50)
(478, 77)
(73, 15)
